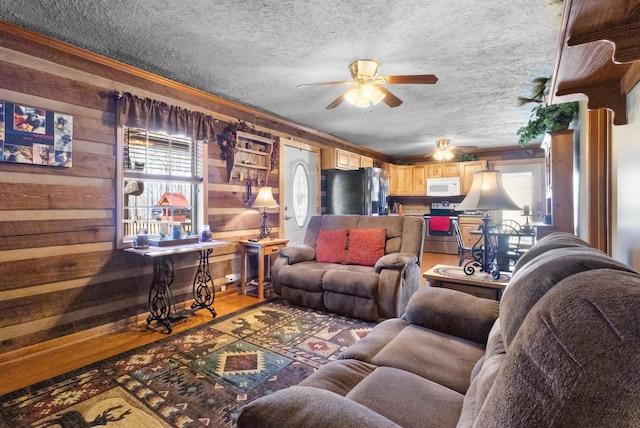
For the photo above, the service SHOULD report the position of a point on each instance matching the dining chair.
(527, 239)
(463, 250)
(511, 223)
(507, 240)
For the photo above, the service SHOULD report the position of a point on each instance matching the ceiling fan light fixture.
(442, 152)
(364, 69)
(443, 155)
(442, 143)
(364, 73)
(364, 96)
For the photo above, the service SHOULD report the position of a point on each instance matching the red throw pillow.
(331, 246)
(366, 246)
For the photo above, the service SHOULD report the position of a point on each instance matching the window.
(519, 186)
(162, 178)
(300, 195)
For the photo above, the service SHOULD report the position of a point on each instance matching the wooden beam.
(598, 54)
(625, 37)
(598, 165)
(607, 95)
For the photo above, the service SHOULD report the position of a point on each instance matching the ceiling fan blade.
(425, 79)
(345, 82)
(389, 99)
(335, 103)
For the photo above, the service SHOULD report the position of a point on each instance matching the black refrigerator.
(361, 191)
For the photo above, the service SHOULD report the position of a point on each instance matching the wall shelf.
(598, 55)
(251, 158)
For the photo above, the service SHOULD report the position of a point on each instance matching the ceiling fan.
(368, 89)
(444, 152)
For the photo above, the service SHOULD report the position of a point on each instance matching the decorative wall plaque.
(35, 136)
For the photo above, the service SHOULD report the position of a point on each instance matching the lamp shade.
(265, 199)
(487, 193)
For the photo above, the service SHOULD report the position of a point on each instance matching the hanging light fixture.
(442, 150)
(364, 95)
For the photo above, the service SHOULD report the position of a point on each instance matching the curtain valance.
(153, 115)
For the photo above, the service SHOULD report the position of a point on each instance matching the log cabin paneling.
(42, 84)
(35, 234)
(85, 164)
(19, 196)
(60, 270)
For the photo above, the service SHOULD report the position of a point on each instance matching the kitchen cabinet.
(343, 159)
(407, 180)
(404, 175)
(439, 170)
(434, 170)
(466, 171)
(469, 223)
(366, 162)
(411, 180)
(419, 180)
(450, 169)
(392, 169)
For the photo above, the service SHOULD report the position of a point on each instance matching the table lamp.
(265, 201)
(526, 213)
(486, 193)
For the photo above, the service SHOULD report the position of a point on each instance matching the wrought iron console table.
(160, 296)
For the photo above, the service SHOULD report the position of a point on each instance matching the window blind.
(165, 170)
(519, 186)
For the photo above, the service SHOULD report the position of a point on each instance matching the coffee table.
(479, 284)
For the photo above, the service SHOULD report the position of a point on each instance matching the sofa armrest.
(395, 261)
(303, 406)
(453, 312)
(298, 253)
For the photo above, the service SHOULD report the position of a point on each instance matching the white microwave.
(447, 186)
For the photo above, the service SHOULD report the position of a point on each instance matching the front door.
(300, 191)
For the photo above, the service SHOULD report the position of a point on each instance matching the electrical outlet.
(223, 287)
(228, 279)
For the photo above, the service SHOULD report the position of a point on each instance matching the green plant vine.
(545, 117)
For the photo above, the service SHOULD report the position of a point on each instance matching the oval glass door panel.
(300, 195)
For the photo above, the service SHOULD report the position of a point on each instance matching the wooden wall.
(60, 271)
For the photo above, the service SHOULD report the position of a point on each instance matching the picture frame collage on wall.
(36, 136)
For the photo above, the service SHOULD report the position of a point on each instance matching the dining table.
(509, 244)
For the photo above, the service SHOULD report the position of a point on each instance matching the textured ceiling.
(485, 54)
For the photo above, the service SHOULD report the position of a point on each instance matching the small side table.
(479, 284)
(263, 249)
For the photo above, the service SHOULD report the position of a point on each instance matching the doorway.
(301, 172)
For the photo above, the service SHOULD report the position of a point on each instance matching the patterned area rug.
(197, 378)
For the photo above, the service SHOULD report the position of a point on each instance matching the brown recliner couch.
(366, 292)
(562, 349)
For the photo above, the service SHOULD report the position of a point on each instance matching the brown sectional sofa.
(562, 349)
(367, 292)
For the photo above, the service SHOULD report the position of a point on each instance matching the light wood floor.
(40, 362)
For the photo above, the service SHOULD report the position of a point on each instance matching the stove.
(440, 236)
(444, 208)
